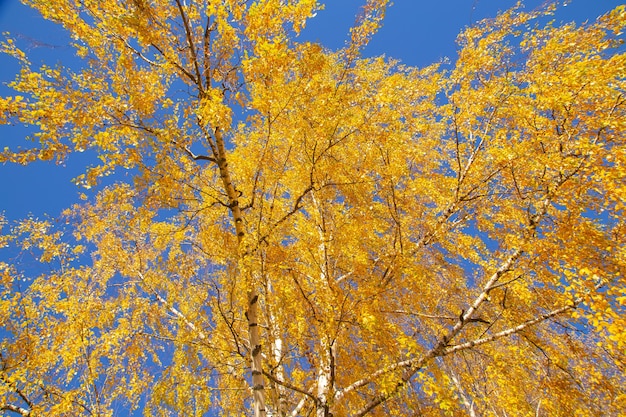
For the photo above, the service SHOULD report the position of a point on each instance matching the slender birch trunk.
(277, 352)
(325, 377)
(325, 372)
(258, 384)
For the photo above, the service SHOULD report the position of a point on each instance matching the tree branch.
(197, 157)
(19, 392)
(415, 364)
(194, 57)
(364, 381)
(176, 64)
(19, 410)
(173, 310)
(510, 331)
(138, 53)
(288, 385)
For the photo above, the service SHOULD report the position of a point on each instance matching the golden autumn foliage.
(308, 232)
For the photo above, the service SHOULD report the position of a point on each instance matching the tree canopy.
(274, 228)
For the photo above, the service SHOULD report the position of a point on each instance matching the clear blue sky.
(418, 32)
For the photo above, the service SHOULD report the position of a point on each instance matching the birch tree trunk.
(277, 352)
(258, 384)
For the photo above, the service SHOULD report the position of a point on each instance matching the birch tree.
(269, 227)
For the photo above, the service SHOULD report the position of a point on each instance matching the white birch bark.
(326, 346)
(258, 384)
(277, 352)
(469, 405)
(325, 376)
